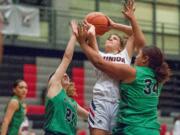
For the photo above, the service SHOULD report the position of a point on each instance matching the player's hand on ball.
(90, 29)
(111, 23)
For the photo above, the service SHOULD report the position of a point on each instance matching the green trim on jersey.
(17, 119)
(139, 100)
(61, 114)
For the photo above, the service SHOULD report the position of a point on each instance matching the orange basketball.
(99, 20)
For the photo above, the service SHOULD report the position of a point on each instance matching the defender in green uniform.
(15, 114)
(138, 104)
(61, 114)
(141, 86)
(140, 90)
(61, 110)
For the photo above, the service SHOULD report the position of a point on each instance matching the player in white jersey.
(106, 95)
(105, 87)
(104, 104)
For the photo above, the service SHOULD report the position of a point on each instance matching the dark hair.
(157, 63)
(121, 40)
(16, 83)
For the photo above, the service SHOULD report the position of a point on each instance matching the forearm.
(70, 48)
(91, 54)
(4, 128)
(61, 69)
(83, 112)
(93, 43)
(124, 28)
(139, 38)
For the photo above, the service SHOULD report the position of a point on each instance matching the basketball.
(99, 20)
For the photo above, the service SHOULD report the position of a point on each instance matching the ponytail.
(163, 73)
(157, 63)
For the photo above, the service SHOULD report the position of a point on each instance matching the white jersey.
(105, 87)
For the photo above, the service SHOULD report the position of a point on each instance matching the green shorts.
(122, 129)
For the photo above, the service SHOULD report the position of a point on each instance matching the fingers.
(82, 33)
(125, 7)
(129, 5)
(74, 27)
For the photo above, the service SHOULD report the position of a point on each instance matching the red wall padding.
(30, 76)
(78, 79)
(36, 109)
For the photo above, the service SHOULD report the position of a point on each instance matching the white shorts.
(102, 114)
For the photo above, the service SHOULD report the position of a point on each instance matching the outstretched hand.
(82, 33)
(129, 9)
(74, 27)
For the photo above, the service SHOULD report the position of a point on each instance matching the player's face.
(113, 44)
(21, 90)
(139, 59)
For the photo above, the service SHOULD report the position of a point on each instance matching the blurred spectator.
(176, 128)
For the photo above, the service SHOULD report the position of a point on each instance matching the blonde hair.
(71, 90)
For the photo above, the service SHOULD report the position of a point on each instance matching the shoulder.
(53, 89)
(13, 104)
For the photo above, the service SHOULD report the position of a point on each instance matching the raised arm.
(55, 81)
(120, 27)
(68, 54)
(139, 39)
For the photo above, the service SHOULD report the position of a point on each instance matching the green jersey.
(61, 114)
(17, 119)
(139, 100)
